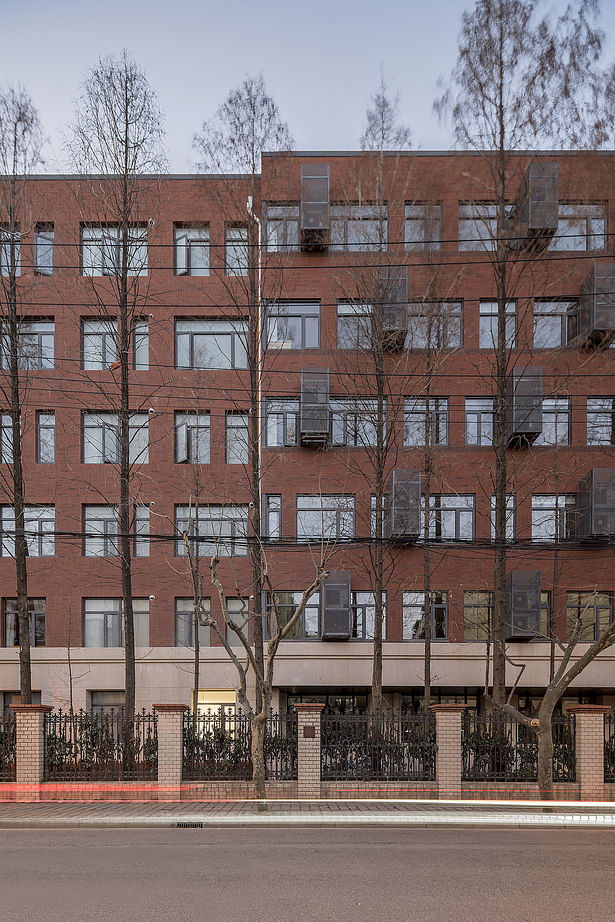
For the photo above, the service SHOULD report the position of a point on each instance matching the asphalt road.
(313, 875)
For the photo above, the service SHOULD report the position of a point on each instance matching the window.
(220, 530)
(272, 516)
(580, 227)
(43, 249)
(325, 518)
(555, 323)
(425, 420)
(184, 623)
(35, 345)
(413, 615)
(106, 702)
(364, 615)
(510, 516)
(354, 325)
(191, 250)
(100, 524)
(553, 517)
(478, 226)
(358, 227)
(101, 438)
(293, 325)
(237, 444)
(140, 345)
(192, 438)
(451, 518)
(236, 250)
(98, 344)
(477, 615)
(479, 421)
(36, 611)
(39, 528)
(281, 422)
(210, 344)
(281, 227)
(589, 613)
(10, 252)
(354, 422)
(45, 436)
(103, 622)
(102, 250)
(237, 615)
(6, 439)
(435, 325)
(555, 422)
(279, 614)
(601, 420)
(423, 226)
(488, 325)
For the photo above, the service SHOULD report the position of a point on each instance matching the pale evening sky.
(320, 60)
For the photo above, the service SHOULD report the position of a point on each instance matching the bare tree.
(384, 130)
(520, 82)
(116, 139)
(20, 153)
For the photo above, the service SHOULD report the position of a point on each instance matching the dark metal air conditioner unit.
(597, 504)
(536, 214)
(394, 294)
(315, 222)
(402, 519)
(597, 310)
(522, 604)
(524, 407)
(336, 610)
(314, 407)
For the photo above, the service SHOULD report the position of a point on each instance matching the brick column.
(30, 755)
(589, 741)
(448, 754)
(170, 728)
(308, 756)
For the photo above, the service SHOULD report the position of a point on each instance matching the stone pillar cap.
(588, 708)
(171, 707)
(447, 707)
(309, 705)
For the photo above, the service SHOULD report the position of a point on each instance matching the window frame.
(43, 330)
(338, 505)
(296, 315)
(435, 325)
(348, 227)
(559, 408)
(205, 327)
(42, 428)
(237, 437)
(43, 244)
(437, 509)
(353, 422)
(236, 517)
(113, 630)
(105, 249)
(599, 623)
(558, 522)
(568, 319)
(438, 410)
(484, 430)
(236, 266)
(192, 431)
(434, 606)
(590, 239)
(311, 611)
(609, 422)
(39, 528)
(187, 619)
(511, 320)
(38, 631)
(283, 416)
(429, 222)
(109, 424)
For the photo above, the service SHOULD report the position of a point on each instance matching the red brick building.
(333, 226)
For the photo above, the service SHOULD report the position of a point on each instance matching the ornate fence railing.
(377, 747)
(218, 746)
(495, 747)
(609, 748)
(100, 746)
(8, 745)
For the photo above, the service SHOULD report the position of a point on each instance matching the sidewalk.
(379, 813)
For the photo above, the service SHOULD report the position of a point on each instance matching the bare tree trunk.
(377, 698)
(258, 747)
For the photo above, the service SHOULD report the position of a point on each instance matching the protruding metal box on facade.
(597, 309)
(315, 219)
(394, 294)
(524, 406)
(314, 407)
(523, 589)
(597, 504)
(538, 206)
(402, 519)
(336, 608)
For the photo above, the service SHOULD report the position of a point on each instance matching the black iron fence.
(8, 745)
(377, 747)
(100, 746)
(218, 746)
(495, 747)
(609, 748)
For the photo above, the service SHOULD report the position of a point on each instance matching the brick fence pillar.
(30, 749)
(589, 742)
(308, 756)
(448, 754)
(170, 729)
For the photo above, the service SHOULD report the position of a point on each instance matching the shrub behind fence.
(218, 746)
(609, 748)
(378, 747)
(94, 746)
(8, 745)
(496, 747)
